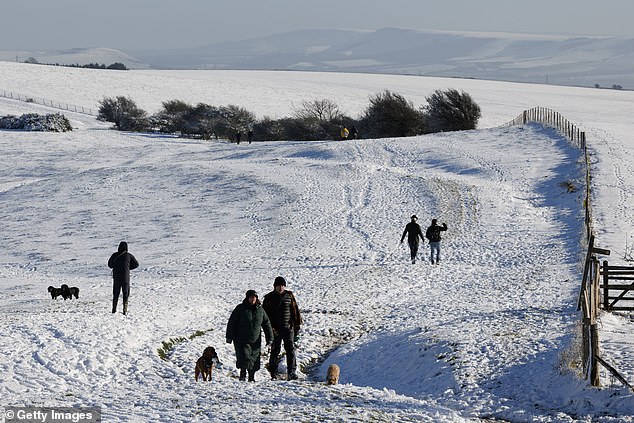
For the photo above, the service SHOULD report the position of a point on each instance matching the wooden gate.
(618, 287)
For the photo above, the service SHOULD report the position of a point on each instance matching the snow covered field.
(487, 335)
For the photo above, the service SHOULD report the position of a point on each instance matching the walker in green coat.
(244, 329)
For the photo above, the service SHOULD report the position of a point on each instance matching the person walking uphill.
(282, 309)
(121, 263)
(433, 235)
(413, 232)
(244, 329)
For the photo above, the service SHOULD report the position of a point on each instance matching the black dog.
(66, 292)
(74, 291)
(55, 292)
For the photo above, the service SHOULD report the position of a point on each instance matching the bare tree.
(323, 110)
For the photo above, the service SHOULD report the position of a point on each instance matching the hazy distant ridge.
(515, 57)
(563, 60)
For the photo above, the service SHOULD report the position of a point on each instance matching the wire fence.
(48, 103)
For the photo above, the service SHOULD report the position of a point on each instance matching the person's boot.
(114, 306)
(125, 307)
(272, 371)
(251, 376)
(243, 375)
(290, 365)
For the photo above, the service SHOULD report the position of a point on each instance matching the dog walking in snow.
(205, 364)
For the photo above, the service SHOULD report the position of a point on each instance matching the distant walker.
(433, 235)
(121, 263)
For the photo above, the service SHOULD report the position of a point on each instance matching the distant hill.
(564, 60)
(561, 60)
(76, 56)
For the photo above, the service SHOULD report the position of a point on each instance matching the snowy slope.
(489, 334)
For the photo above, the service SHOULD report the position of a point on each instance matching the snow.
(489, 334)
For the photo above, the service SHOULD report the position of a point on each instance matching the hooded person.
(286, 320)
(121, 263)
(414, 233)
(244, 329)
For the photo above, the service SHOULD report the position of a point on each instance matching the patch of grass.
(199, 333)
(569, 186)
(168, 346)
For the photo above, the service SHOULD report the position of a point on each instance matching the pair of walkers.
(413, 232)
(279, 317)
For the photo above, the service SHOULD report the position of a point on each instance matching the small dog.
(206, 363)
(74, 291)
(55, 292)
(332, 377)
(66, 292)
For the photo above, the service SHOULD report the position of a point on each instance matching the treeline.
(114, 66)
(388, 115)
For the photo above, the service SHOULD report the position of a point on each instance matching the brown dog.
(332, 377)
(206, 363)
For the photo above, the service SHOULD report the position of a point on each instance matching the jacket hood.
(123, 246)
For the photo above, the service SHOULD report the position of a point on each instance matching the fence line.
(589, 297)
(48, 103)
(573, 134)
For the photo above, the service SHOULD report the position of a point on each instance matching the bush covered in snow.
(54, 122)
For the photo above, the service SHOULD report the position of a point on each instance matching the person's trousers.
(434, 248)
(286, 336)
(118, 288)
(413, 249)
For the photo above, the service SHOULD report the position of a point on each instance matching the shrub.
(295, 129)
(124, 113)
(117, 66)
(451, 111)
(391, 115)
(54, 122)
(171, 118)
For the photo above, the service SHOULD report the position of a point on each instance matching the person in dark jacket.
(433, 235)
(121, 263)
(413, 232)
(244, 329)
(286, 320)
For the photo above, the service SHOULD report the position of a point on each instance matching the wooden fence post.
(594, 363)
(606, 298)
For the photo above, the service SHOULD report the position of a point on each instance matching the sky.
(159, 24)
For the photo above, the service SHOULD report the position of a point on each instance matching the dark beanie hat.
(250, 293)
(279, 281)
